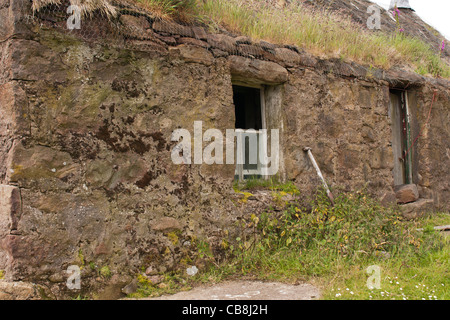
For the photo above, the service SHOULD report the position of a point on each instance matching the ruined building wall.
(86, 170)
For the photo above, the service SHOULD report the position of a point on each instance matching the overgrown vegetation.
(321, 32)
(171, 284)
(332, 247)
(272, 183)
(324, 33)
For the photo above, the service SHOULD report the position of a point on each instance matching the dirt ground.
(247, 290)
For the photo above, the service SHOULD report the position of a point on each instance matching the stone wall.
(86, 146)
(347, 125)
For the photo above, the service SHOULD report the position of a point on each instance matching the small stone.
(168, 28)
(131, 287)
(222, 42)
(193, 54)
(243, 40)
(156, 279)
(388, 199)
(10, 209)
(162, 269)
(267, 45)
(134, 23)
(200, 33)
(150, 271)
(194, 42)
(101, 249)
(57, 277)
(406, 193)
(192, 271)
(166, 224)
(18, 291)
(219, 53)
(187, 243)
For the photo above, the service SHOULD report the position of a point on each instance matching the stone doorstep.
(416, 209)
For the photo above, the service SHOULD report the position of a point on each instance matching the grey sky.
(434, 12)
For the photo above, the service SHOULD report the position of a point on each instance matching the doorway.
(401, 137)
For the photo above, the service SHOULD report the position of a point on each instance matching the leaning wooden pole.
(319, 173)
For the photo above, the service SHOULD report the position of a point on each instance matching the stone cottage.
(87, 116)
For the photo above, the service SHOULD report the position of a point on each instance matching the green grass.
(272, 183)
(322, 33)
(406, 278)
(171, 284)
(434, 219)
(332, 247)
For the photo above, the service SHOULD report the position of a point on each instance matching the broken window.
(401, 136)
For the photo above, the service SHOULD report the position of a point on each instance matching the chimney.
(401, 4)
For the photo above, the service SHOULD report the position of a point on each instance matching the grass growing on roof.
(323, 33)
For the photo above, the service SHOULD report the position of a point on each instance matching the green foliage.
(334, 245)
(273, 183)
(356, 224)
(171, 284)
(355, 227)
(81, 258)
(105, 272)
(204, 250)
(331, 247)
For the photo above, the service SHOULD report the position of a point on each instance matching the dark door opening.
(401, 135)
(249, 115)
(247, 107)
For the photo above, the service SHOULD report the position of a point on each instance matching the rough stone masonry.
(85, 139)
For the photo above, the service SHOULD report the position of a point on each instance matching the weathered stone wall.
(347, 125)
(432, 149)
(86, 142)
